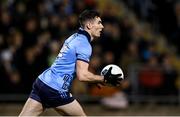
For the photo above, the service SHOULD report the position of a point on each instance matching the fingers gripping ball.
(115, 70)
(113, 74)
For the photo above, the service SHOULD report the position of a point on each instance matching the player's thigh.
(31, 108)
(73, 108)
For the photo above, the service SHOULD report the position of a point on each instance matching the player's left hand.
(112, 79)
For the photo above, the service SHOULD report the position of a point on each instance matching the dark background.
(141, 36)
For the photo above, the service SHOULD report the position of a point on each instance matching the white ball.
(115, 70)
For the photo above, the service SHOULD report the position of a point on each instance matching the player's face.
(96, 27)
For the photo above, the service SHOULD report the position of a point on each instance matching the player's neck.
(89, 32)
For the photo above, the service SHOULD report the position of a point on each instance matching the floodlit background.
(141, 36)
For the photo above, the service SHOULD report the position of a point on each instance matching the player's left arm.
(83, 74)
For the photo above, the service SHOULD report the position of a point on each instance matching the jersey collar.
(83, 32)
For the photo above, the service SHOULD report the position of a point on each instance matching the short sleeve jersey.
(61, 73)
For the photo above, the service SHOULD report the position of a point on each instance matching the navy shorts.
(48, 96)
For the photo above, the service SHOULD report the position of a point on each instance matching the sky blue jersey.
(61, 73)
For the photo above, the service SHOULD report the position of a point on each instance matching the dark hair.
(87, 15)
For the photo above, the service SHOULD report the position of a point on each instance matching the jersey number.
(63, 49)
(67, 80)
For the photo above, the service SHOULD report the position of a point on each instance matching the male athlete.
(51, 88)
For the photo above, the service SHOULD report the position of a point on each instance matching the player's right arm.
(84, 75)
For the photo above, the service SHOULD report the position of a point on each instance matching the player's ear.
(88, 26)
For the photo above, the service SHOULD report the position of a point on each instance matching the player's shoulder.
(76, 39)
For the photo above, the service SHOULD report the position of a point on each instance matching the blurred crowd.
(138, 33)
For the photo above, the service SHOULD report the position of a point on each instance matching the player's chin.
(98, 35)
